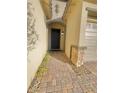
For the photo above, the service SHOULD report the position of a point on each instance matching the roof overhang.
(46, 5)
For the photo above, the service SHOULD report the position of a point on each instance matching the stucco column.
(82, 45)
(83, 26)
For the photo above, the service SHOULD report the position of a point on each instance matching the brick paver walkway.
(63, 77)
(91, 66)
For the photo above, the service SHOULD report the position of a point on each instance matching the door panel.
(55, 39)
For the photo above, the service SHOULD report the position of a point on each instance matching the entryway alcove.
(56, 35)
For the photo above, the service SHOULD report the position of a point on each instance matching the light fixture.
(62, 33)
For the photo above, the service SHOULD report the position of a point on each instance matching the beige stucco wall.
(61, 7)
(73, 26)
(62, 37)
(36, 55)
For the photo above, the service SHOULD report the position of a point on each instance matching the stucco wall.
(62, 37)
(73, 26)
(61, 6)
(37, 53)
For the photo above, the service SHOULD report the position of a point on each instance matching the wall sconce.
(62, 33)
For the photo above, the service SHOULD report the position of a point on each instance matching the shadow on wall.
(32, 36)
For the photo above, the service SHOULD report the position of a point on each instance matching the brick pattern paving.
(63, 77)
(87, 79)
(91, 66)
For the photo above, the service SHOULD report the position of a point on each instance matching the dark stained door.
(55, 38)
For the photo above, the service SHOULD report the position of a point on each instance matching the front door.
(55, 38)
